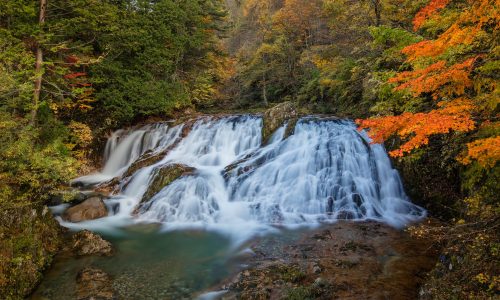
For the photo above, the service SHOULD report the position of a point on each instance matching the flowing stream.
(238, 187)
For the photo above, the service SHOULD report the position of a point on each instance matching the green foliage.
(32, 161)
(155, 56)
(392, 39)
(29, 237)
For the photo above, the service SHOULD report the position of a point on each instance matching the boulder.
(94, 283)
(276, 117)
(90, 209)
(89, 243)
(164, 176)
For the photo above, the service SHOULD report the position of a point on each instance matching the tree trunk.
(264, 90)
(377, 8)
(38, 65)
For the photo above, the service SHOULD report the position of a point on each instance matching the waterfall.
(126, 146)
(324, 171)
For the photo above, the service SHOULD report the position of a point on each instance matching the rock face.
(94, 283)
(276, 116)
(345, 260)
(88, 243)
(165, 176)
(90, 209)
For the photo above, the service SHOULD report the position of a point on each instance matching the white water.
(126, 146)
(325, 171)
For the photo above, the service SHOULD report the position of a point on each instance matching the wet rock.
(147, 159)
(108, 187)
(276, 117)
(358, 199)
(188, 126)
(345, 215)
(164, 176)
(94, 283)
(316, 269)
(320, 282)
(290, 127)
(90, 209)
(89, 243)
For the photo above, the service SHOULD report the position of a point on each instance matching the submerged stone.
(88, 243)
(94, 283)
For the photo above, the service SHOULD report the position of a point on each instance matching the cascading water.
(326, 170)
(126, 146)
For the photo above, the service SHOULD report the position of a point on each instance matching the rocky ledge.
(346, 260)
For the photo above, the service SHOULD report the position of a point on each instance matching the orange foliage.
(428, 11)
(443, 78)
(299, 18)
(455, 35)
(463, 32)
(485, 151)
(437, 79)
(418, 127)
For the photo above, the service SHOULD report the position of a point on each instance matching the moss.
(291, 274)
(29, 238)
(316, 290)
(299, 293)
(164, 176)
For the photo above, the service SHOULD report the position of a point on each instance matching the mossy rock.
(164, 176)
(290, 127)
(276, 116)
(147, 159)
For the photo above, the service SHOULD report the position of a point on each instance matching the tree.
(447, 71)
(38, 63)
